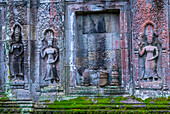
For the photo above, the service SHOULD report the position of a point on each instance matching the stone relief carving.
(51, 15)
(52, 56)
(18, 11)
(16, 50)
(151, 52)
(50, 18)
(150, 12)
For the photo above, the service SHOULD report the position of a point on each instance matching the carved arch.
(44, 32)
(145, 24)
(13, 27)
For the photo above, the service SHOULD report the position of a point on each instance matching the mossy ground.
(3, 98)
(110, 105)
(100, 105)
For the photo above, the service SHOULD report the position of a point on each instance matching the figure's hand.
(138, 47)
(141, 44)
(51, 61)
(151, 59)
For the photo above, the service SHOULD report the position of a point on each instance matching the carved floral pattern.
(150, 10)
(18, 12)
(50, 15)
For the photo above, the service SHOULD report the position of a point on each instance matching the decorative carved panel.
(16, 49)
(51, 56)
(149, 61)
(50, 18)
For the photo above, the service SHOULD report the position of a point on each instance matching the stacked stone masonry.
(54, 48)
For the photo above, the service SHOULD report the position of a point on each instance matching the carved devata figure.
(52, 55)
(16, 50)
(151, 52)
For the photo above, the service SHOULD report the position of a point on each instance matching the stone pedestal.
(115, 76)
(51, 92)
(21, 94)
(152, 85)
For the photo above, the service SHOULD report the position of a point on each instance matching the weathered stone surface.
(50, 48)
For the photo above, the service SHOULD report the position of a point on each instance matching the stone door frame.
(71, 9)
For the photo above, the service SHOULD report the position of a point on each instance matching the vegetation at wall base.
(89, 105)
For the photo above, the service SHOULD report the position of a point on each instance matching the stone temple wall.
(55, 48)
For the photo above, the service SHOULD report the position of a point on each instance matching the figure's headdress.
(144, 27)
(49, 36)
(17, 30)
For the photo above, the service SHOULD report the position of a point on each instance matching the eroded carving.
(151, 52)
(16, 50)
(52, 55)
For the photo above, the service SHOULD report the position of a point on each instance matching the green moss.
(102, 100)
(85, 104)
(148, 100)
(70, 103)
(120, 98)
(139, 99)
(4, 99)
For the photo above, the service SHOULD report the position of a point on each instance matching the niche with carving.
(16, 51)
(98, 48)
(149, 58)
(50, 59)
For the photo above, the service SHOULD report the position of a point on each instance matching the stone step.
(111, 106)
(16, 102)
(97, 94)
(83, 106)
(16, 110)
(91, 91)
(86, 104)
(108, 90)
(89, 107)
(96, 90)
(18, 105)
(100, 103)
(102, 111)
